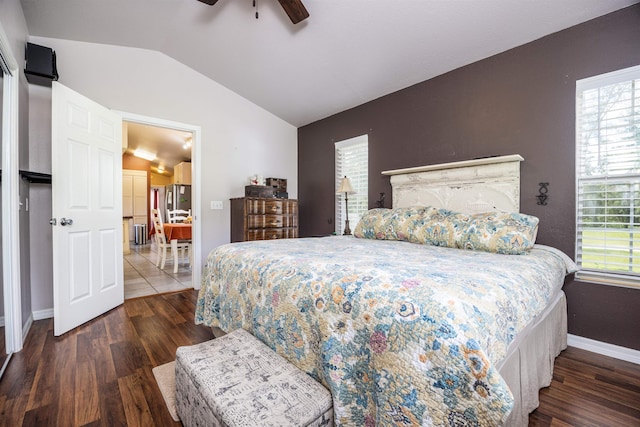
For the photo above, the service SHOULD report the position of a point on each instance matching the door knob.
(53, 221)
(66, 221)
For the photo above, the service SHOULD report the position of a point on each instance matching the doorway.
(173, 149)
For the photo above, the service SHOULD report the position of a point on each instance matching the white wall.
(239, 139)
(15, 27)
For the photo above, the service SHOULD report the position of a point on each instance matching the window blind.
(352, 161)
(608, 178)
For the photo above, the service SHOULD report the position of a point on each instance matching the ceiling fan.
(294, 8)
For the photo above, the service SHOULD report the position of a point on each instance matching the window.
(352, 161)
(608, 178)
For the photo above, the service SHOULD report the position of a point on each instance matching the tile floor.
(143, 278)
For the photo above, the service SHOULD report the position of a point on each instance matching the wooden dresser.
(254, 218)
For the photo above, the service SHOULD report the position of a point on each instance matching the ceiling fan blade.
(295, 9)
(209, 2)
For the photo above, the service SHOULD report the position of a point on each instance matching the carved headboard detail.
(473, 186)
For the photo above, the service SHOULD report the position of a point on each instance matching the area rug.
(166, 379)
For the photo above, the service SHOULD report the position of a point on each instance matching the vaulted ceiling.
(346, 53)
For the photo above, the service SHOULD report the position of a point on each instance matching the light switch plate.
(216, 204)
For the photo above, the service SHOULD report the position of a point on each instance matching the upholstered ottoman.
(236, 380)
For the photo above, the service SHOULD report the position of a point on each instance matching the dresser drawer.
(290, 233)
(291, 207)
(265, 221)
(272, 233)
(265, 234)
(273, 207)
(264, 206)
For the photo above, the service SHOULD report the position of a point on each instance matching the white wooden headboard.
(473, 186)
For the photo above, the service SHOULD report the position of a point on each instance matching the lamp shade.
(345, 187)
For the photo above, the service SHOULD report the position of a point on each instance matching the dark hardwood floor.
(3, 350)
(589, 389)
(100, 373)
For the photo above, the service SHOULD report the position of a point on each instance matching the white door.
(87, 206)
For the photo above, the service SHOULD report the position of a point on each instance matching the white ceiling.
(346, 53)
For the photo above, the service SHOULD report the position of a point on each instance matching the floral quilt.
(401, 333)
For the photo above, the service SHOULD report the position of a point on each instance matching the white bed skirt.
(529, 364)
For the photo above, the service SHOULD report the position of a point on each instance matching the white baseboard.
(35, 315)
(26, 327)
(47, 313)
(606, 349)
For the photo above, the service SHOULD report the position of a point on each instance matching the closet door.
(3, 347)
(10, 196)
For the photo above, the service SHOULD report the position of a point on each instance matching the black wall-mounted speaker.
(40, 67)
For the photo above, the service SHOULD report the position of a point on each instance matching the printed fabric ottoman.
(236, 380)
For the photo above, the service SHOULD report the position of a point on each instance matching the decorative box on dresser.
(256, 218)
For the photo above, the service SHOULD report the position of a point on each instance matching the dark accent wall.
(518, 102)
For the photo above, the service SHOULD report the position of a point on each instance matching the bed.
(404, 333)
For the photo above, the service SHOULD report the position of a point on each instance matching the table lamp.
(345, 187)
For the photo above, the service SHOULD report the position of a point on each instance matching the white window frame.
(359, 178)
(591, 274)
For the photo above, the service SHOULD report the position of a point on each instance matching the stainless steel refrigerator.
(177, 196)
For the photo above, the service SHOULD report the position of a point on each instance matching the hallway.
(143, 278)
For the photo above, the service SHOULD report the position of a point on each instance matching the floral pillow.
(391, 224)
(440, 228)
(500, 232)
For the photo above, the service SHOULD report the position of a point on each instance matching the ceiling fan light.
(295, 10)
